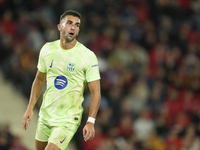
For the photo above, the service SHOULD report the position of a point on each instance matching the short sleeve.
(92, 68)
(41, 64)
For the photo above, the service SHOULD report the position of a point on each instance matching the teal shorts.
(58, 135)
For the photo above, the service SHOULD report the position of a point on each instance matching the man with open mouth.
(67, 66)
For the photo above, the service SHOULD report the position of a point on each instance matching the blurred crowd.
(148, 53)
(9, 141)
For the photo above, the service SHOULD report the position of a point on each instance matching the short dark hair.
(70, 12)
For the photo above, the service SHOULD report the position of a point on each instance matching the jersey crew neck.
(66, 50)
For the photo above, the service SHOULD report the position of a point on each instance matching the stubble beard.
(64, 35)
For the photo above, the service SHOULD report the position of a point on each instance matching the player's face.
(69, 27)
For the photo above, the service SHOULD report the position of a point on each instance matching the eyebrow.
(72, 22)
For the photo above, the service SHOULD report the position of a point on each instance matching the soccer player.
(67, 66)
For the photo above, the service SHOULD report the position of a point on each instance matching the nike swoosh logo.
(51, 64)
(62, 140)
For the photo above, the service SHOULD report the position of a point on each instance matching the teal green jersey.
(68, 71)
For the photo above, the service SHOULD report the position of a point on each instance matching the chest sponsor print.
(60, 82)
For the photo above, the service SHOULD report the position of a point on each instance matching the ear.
(59, 27)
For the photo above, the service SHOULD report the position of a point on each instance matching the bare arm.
(95, 98)
(36, 90)
(88, 130)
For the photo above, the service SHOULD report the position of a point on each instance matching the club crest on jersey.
(71, 67)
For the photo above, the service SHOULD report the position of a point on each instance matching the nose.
(73, 26)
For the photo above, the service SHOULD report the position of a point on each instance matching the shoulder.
(50, 45)
(82, 49)
(48, 48)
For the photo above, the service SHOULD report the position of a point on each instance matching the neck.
(67, 45)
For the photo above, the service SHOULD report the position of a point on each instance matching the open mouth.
(71, 33)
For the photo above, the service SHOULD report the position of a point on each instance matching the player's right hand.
(27, 118)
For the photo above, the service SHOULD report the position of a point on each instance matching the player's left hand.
(88, 131)
(27, 118)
